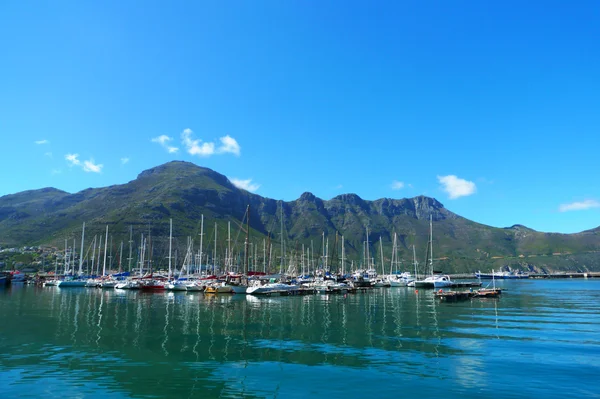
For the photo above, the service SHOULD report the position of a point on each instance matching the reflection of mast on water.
(169, 296)
(195, 348)
(344, 321)
(99, 325)
(397, 311)
(435, 324)
(369, 318)
(138, 324)
(211, 328)
(75, 320)
(226, 310)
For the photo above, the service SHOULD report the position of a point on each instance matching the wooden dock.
(466, 284)
(454, 296)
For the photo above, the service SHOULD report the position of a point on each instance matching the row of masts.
(203, 261)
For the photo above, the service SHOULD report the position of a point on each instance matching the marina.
(541, 336)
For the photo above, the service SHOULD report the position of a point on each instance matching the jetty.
(454, 296)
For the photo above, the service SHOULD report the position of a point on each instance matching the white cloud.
(90, 166)
(456, 187)
(194, 147)
(124, 160)
(339, 187)
(48, 154)
(397, 185)
(42, 142)
(73, 160)
(164, 140)
(56, 171)
(229, 145)
(206, 149)
(87, 166)
(245, 184)
(579, 206)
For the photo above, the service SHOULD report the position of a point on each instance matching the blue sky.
(490, 107)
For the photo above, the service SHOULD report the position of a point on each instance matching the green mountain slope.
(184, 192)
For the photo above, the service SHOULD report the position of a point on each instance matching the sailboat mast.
(415, 263)
(65, 257)
(343, 255)
(201, 241)
(105, 248)
(393, 255)
(130, 241)
(381, 254)
(282, 254)
(81, 253)
(367, 250)
(170, 246)
(431, 243)
(247, 240)
(93, 254)
(142, 250)
(323, 256)
(99, 252)
(215, 252)
(229, 261)
(120, 257)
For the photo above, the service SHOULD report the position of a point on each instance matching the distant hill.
(184, 191)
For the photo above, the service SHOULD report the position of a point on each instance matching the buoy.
(440, 290)
(416, 291)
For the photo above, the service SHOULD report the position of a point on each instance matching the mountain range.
(185, 192)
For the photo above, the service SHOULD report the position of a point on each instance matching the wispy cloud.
(338, 187)
(194, 147)
(245, 184)
(87, 166)
(228, 145)
(456, 187)
(73, 159)
(579, 206)
(38, 142)
(397, 185)
(55, 171)
(48, 154)
(90, 166)
(164, 141)
(124, 160)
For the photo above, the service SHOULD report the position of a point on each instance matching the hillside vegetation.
(184, 191)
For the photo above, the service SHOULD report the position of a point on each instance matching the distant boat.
(17, 277)
(152, 285)
(436, 281)
(128, 285)
(71, 283)
(264, 289)
(502, 275)
(218, 288)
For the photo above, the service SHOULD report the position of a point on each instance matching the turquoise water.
(541, 339)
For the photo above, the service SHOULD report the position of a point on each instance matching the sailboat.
(433, 281)
(239, 283)
(397, 280)
(76, 281)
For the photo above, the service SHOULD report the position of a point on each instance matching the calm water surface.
(541, 339)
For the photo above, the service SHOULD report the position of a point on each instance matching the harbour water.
(540, 339)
